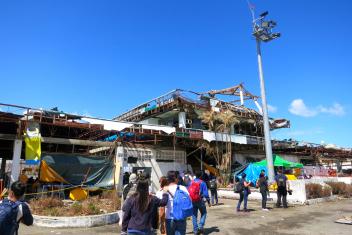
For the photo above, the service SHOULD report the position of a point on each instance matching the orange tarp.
(47, 174)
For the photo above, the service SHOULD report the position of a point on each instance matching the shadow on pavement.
(211, 230)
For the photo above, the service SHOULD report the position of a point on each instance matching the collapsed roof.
(194, 103)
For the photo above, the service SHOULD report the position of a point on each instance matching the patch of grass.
(53, 211)
(317, 191)
(341, 189)
(91, 209)
(45, 204)
(112, 201)
(76, 208)
(50, 206)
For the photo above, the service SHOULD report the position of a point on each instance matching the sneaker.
(265, 209)
(201, 231)
(246, 210)
(238, 210)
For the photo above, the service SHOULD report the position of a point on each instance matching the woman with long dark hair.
(140, 208)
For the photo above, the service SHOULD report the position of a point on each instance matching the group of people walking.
(167, 210)
(181, 197)
(242, 186)
(145, 213)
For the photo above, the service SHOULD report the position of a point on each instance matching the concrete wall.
(346, 180)
(151, 121)
(76, 221)
(298, 188)
(147, 157)
(160, 169)
(298, 194)
(318, 180)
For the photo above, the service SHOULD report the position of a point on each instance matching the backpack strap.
(173, 196)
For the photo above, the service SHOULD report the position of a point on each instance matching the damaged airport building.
(182, 130)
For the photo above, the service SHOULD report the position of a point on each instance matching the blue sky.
(104, 57)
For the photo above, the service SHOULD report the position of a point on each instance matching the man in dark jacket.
(213, 186)
(13, 211)
(282, 188)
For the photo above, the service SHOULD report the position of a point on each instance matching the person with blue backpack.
(13, 210)
(198, 191)
(242, 187)
(178, 208)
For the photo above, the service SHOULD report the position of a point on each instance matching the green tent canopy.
(279, 161)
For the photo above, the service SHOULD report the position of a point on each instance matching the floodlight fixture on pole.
(262, 31)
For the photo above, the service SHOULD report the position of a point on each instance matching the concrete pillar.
(119, 166)
(182, 119)
(232, 129)
(16, 160)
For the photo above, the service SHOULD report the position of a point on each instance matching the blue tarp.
(95, 171)
(121, 134)
(252, 171)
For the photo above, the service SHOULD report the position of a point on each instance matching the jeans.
(243, 197)
(214, 195)
(281, 194)
(264, 198)
(131, 233)
(203, 215)
(140, 233)
(175, 227)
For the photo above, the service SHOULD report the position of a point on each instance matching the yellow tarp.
(47, 174)
(33, 148)
(289, 177)
(78, 194)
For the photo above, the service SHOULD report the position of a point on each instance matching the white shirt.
(170, 204)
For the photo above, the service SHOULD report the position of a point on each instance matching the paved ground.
(222, 220)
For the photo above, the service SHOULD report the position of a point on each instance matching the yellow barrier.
(273, 187)
(78, 194)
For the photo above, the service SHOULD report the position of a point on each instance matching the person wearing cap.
(128, 190)
(244, 194)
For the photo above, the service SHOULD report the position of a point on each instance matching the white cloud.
(299, 108)
(272, 109)
(337, 109)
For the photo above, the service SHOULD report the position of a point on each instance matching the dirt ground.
(222, 219)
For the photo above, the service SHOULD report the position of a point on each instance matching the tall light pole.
(262, 31)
